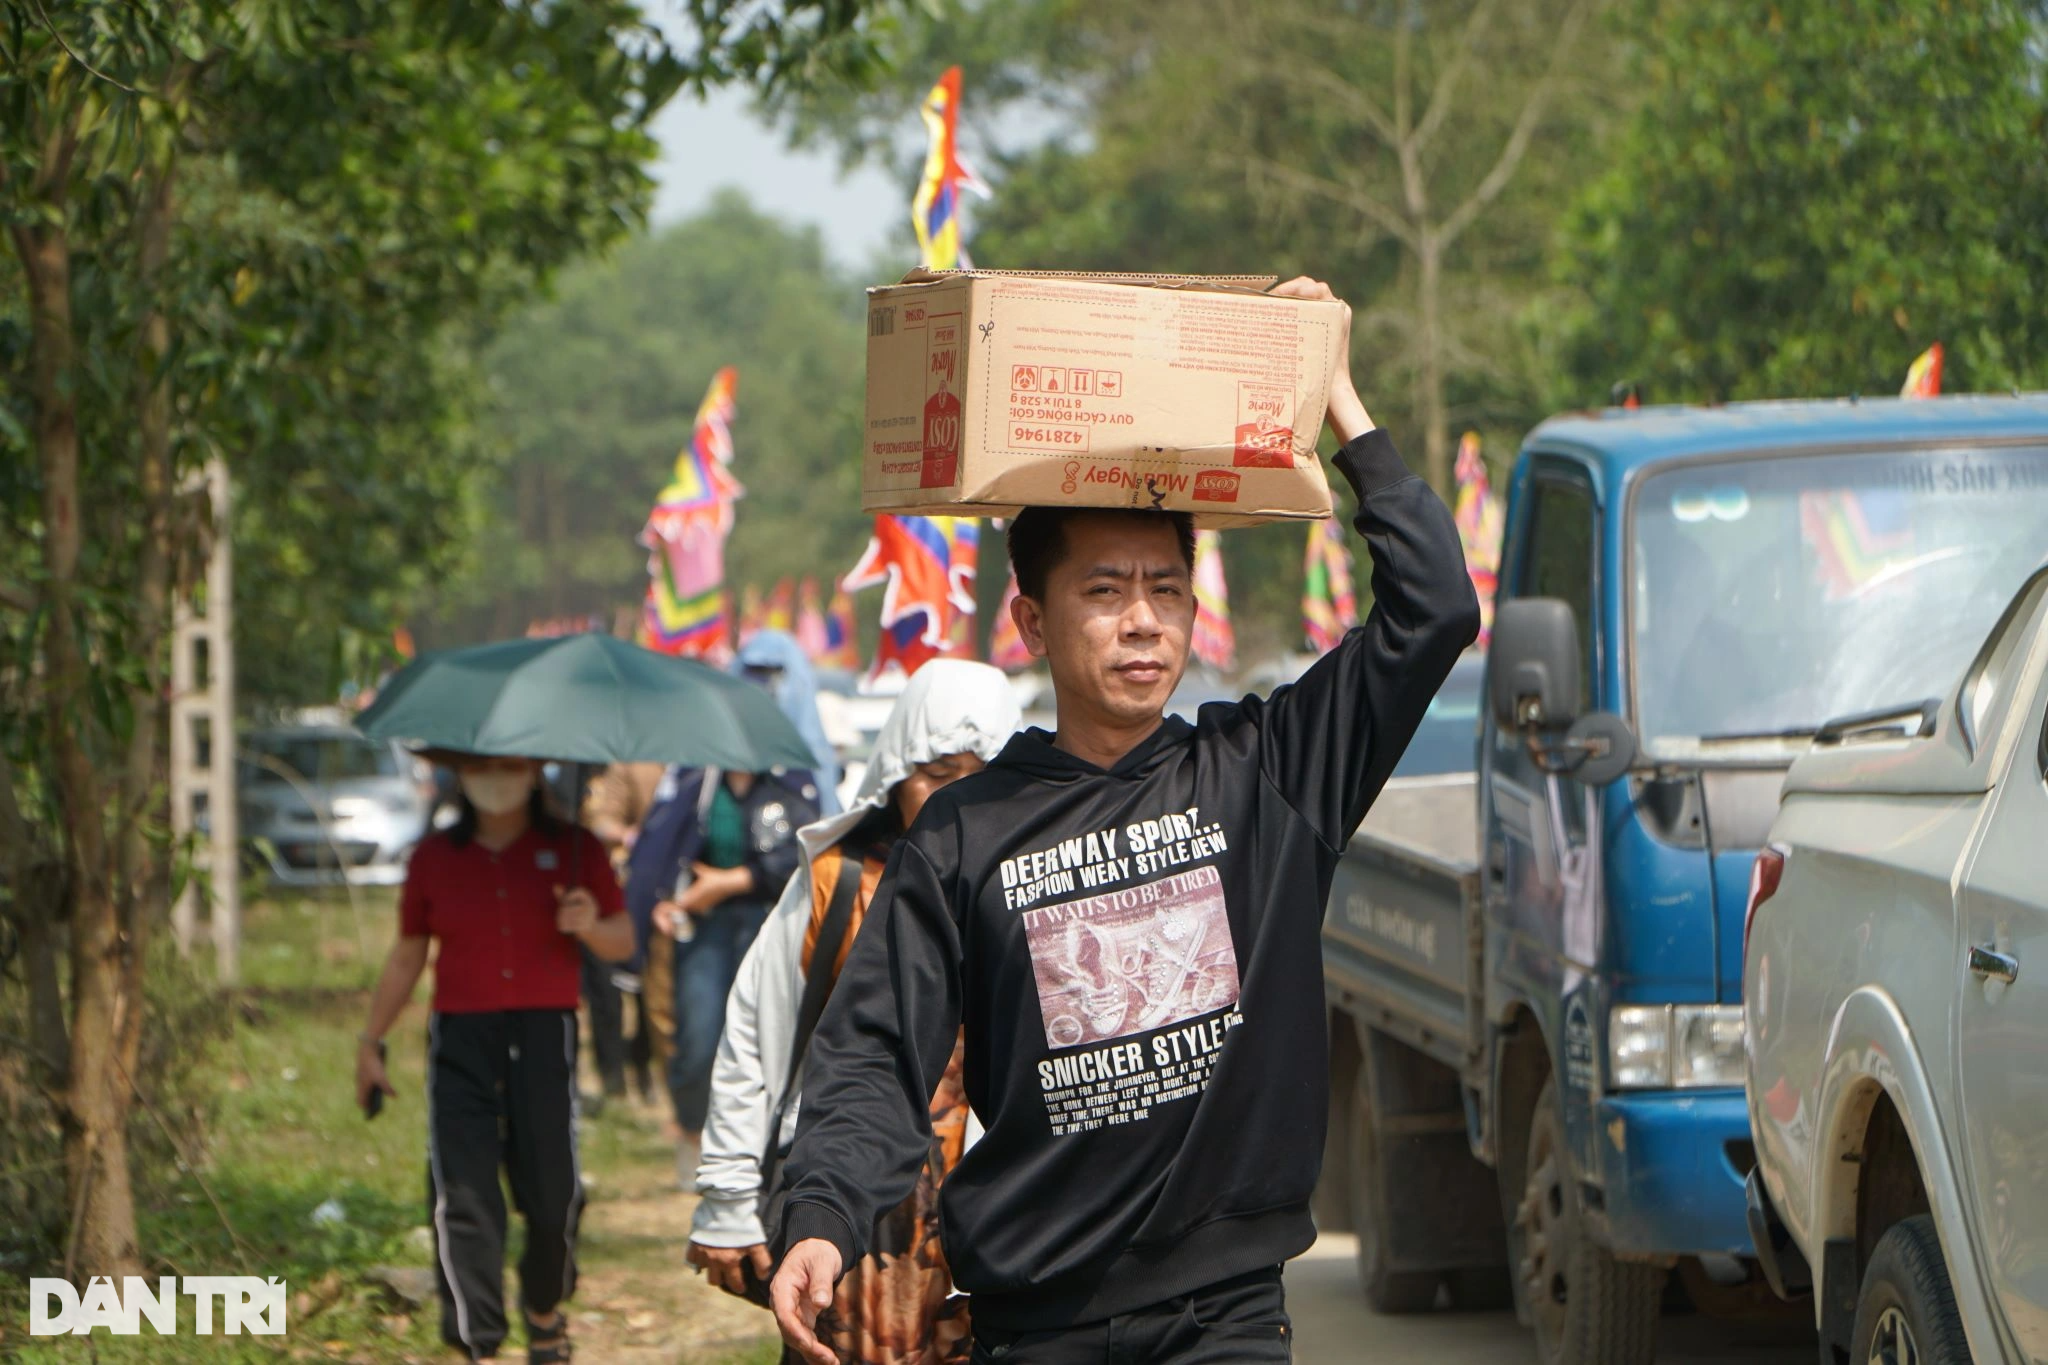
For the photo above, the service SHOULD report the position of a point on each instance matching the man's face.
(1114, 626)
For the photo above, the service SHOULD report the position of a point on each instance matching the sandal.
(547, 1343)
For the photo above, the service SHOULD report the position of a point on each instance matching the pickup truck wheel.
(1386, 1291)
(1587, 1307)
(1906, 1312)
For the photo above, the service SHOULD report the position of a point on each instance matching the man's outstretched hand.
(802, 1290)
(1348, 417)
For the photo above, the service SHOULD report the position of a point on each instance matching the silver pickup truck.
(1896, 988)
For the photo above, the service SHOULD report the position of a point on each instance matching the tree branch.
(1447, 84)
(1337, 193)
(1355, 101)
(90, 68)
(1404, 95)
(1525, 128)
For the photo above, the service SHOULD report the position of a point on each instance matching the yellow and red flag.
(753, 612)
(935, 207)
(810, 621)
(1479, 518)
(1329, 603)
(1215, 642)
(842, 636)
(911, 559)
(780, 613)
(1923, 380)
(685, 534)
(963, 561)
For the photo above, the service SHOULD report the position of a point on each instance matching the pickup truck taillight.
(1763, 883)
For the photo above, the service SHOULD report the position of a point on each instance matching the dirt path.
(637, 1302)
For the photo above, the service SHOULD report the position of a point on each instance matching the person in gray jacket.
(953, 717)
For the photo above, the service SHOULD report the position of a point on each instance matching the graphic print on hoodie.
(1135, 954)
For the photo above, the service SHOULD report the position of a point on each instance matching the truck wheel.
(1906, 1313)
(1386, 1291)
(1587, 1307)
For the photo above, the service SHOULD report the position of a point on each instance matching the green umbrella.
(585, 699)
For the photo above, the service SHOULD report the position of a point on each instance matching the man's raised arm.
(864, 1124)
(1331, 739)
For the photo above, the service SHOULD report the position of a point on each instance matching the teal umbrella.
(584, 699)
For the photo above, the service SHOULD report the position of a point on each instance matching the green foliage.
(326, 281)
(464, 167)
(782, 43)
(594, 391)
(1810, 194)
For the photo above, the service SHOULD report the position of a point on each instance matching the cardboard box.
(989, 391)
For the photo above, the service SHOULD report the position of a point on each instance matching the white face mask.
(494, 792)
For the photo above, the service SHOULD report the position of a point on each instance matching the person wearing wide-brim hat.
(512, 895)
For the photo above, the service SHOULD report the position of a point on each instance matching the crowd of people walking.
(1024, 1027)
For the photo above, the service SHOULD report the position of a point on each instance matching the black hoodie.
(1136, 957)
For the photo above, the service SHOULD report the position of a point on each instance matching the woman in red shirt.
(495, 891)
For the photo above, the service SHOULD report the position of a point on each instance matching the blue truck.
(1534, 964)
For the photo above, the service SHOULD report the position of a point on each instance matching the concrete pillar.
(203, 744)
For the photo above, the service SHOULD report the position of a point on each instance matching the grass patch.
(296, 1183)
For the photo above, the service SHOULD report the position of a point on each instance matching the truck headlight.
(1654, 1047)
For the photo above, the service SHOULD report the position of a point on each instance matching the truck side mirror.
(1532, 671)
(1600, 747)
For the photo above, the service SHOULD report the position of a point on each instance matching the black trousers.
(501, 1093)
(1241, 1321)
(607, 1006)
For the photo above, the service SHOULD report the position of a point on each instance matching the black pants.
(1241, 1321)
(501, 1092)
(607, 1006)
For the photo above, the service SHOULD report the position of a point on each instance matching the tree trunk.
(144, 876)
(1436, 433)
(93, 1103)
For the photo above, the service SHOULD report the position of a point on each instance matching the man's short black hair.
(1037, 539)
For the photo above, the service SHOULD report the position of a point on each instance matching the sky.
(709, 144)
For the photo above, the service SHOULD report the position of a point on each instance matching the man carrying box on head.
(1125, 918)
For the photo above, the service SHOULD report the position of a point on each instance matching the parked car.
(320, 804)
(1535, 986)
(1898, 1052)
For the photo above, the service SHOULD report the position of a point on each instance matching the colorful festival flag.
(842, 636)
(753, 612)
(810, 621)
(1923, 380)
(1215, 643)
(910, 558)
(1329, 604)
(963, 559)
(1006, 649)
(935, 208)
(685, 535)
(780, 613)
(1479, 518)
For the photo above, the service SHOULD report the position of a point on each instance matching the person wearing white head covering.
(952, 718)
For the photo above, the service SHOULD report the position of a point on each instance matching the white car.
(1896, 987)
